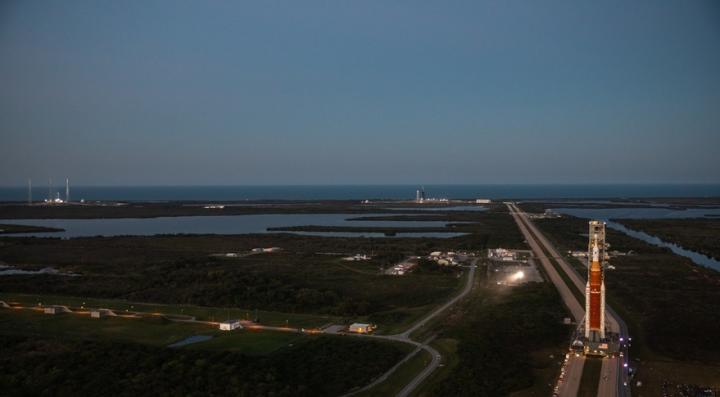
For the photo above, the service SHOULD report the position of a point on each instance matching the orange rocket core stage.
(595, 284)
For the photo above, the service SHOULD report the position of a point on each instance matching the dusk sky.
(355, 92)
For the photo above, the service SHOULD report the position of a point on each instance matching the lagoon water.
(606, 214)
(638, 213)
(228, 224)
(696, 257)
(191, 339)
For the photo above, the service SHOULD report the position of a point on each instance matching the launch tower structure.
(595, 287)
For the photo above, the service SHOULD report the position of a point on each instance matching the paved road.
(436, 357)
(570, 383)
(571, 378)
(468, 286)
(614, 377)
(405, 337)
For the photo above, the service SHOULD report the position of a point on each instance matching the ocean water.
(361, 192)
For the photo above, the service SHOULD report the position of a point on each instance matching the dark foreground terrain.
(504, 337)
(66, 367)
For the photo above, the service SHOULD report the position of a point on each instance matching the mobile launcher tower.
(595, 341)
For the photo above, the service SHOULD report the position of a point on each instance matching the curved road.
(405, 337)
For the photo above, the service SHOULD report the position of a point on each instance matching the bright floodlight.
(517, 276)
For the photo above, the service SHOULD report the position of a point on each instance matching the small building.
(361, 328)
(482, 201)
(99, 313)
(230, 325)
(52, 310)
(357, 257)
(501, 254)
(272, 249)
(257, 250)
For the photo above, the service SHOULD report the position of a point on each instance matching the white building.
(482, 201)
(230, 325)
(361, 328)
(501, 254)
(52, 310)
(357, 257)
(98, 313)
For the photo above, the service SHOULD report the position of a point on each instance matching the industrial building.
(230, 325)
(99, 313)
(502, 254)
(361, 328)
(52, 310)
(420, 195)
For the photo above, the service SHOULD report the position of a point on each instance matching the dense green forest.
(700, 235)
(326, 366)
(301, 278)
(497, 337)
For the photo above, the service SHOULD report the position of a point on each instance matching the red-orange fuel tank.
(595, 298)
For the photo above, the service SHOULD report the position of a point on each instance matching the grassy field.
(250, 342)
(154, 331)
(448, 347)
(546, 366)
(295, 320)
(147, 331)
(497, 341)
(400, 377)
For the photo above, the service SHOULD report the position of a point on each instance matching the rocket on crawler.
(595, 287)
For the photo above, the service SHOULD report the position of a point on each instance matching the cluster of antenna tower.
(50, 199)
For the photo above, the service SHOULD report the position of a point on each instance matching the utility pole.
(67, 190)
(29, 191)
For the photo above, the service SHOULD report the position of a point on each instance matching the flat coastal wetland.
(511, 336)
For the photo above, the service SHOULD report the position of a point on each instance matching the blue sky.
(341, 92)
